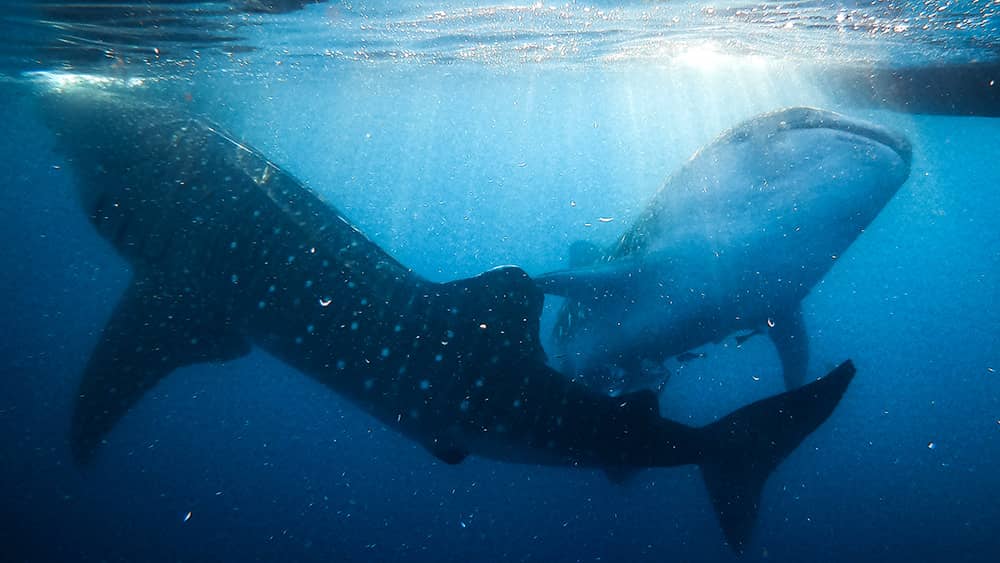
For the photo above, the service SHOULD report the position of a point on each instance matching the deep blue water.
(454, 169)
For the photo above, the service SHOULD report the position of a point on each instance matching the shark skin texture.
(229, 252)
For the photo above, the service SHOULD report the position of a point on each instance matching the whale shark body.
(732, 242)
(228, 251)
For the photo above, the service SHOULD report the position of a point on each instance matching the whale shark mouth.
(815, 118)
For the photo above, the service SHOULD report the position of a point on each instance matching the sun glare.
(64, 80)
(708, 56)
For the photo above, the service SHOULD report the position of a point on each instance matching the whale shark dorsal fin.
(792, 344)
(151, 333)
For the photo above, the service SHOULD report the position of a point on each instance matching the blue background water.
(455, 169)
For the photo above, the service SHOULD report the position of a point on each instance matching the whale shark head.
(854, 157)
(803, 119)
(801, 175)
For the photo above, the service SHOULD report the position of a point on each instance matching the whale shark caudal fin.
(747, 445)
(151, 333)
(789, 337)
(506, 300)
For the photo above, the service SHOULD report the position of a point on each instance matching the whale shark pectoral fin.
(564, 283)
(792, 344)
(150, 334)
(586, 283)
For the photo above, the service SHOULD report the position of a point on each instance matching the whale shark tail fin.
(748, 445)
(152, 332)
(502, 303)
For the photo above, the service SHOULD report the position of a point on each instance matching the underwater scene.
(306, 280)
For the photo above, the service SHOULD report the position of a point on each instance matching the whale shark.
(733, 241)
(229, 252)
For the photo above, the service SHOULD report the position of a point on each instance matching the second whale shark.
(734, 241)
(228, 251)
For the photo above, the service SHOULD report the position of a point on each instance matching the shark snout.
(823, 119)
(802, 118)
(884, 136)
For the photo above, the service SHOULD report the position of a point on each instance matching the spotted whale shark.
(228, 252)
(734, 241)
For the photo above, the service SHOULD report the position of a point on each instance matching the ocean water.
(460, 137)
